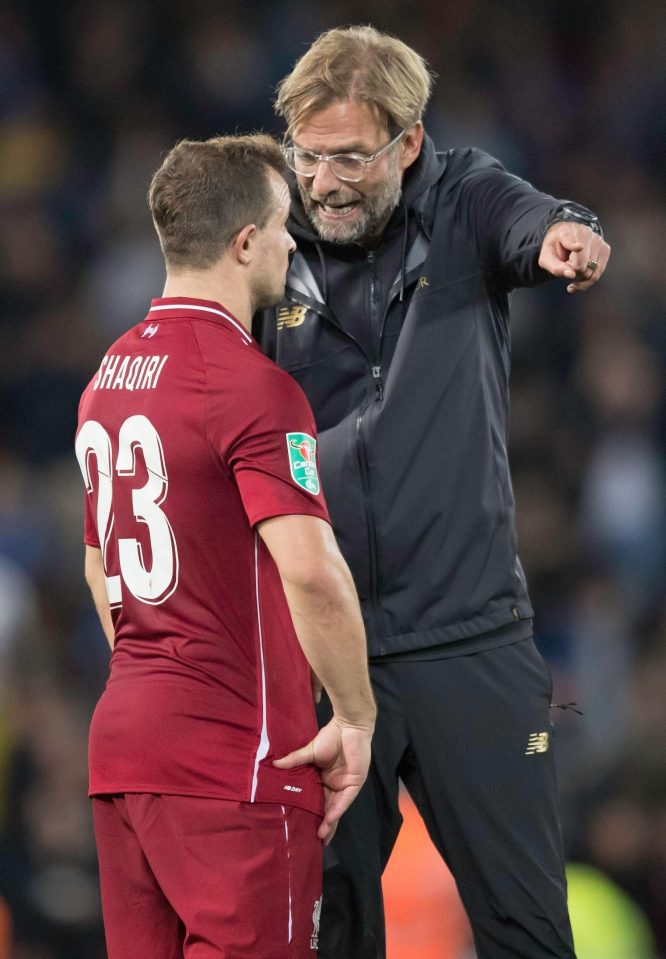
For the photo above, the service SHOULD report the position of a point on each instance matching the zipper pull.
(377, 377)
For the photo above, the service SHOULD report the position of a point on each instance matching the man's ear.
(243, 243)
(411, 145)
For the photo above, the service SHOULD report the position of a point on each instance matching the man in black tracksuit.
(396, 325)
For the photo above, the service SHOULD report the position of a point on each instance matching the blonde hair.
(357, 63)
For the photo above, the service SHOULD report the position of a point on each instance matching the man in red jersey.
(221, 590)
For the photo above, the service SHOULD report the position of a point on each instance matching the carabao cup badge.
(303, 461)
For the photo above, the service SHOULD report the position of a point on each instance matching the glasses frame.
(332, 157)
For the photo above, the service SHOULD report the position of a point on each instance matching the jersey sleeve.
(273, 452)
(90, 537)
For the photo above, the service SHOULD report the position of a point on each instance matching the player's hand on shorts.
(342, 754)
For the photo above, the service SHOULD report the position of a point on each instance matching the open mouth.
(337, 211)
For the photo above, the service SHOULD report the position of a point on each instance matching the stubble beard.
(375, 211)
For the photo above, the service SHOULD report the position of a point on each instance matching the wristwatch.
(575, 214)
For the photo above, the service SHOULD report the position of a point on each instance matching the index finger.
(299, 757)
(550, 262)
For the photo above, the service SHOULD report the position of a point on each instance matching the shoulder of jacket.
(465, 169)
(469, 161)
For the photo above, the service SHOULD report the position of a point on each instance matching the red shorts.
(197, 878)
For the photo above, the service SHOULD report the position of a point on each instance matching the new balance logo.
(290, 316)
(537, 743)
(150, 331)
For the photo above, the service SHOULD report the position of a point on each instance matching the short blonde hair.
(357, 63)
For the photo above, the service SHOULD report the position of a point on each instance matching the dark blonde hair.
(357, 63)
(206, 191)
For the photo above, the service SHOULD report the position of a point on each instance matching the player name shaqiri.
(129, 373)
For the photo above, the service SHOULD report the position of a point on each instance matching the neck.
(211, 285)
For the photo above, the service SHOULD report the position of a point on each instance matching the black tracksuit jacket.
(403, 352)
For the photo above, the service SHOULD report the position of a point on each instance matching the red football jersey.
(189, 436)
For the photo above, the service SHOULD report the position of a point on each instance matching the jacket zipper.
(375, 327)
(370, 518)
(376, 372)
(379, 384)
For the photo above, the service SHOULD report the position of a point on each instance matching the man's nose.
(324, 181)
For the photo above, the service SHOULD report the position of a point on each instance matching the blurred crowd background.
(571, 96)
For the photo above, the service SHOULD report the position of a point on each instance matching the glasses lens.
(347, 167)
(300, 161)
(305, 163)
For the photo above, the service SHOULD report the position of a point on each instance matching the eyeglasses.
(350, 167)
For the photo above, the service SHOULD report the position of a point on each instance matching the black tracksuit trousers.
(470, 736)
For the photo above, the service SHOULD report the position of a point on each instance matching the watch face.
(579, 215)
(570, 215)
